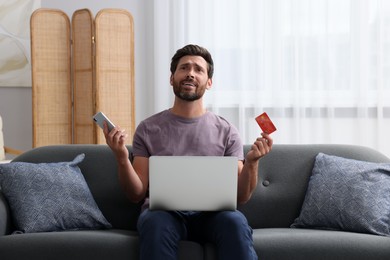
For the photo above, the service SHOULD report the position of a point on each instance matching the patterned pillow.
(50, 197)
(349, 195)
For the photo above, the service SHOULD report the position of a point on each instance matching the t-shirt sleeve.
(139, 145)
(234, 145)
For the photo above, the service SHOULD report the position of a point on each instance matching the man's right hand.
(116, 140)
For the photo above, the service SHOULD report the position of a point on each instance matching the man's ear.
(171, 79)
(209, 83)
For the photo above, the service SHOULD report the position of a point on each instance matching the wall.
(16, 102)
(15, 110)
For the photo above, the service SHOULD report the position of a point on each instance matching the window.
(321, 69)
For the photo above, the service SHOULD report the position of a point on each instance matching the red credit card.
(265, 123)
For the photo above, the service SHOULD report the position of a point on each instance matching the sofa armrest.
(5, 216)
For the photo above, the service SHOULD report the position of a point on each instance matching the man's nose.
(190, 73)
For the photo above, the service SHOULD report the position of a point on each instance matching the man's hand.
(116, 140)
(247, 176)
(261, 147)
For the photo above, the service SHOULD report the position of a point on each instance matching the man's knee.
(160, 223)
(231, 217)
(152, 218)
(233, 222)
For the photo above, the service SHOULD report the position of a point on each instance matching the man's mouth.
(189, 84)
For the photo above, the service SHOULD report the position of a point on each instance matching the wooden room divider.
(80, 68)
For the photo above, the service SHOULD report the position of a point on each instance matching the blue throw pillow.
(349, 195)
(50, 197)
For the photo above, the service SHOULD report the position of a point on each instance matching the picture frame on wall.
(15, 54)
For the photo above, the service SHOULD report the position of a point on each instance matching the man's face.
(190, 79)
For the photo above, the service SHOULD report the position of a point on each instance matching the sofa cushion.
(349, 195)
(50, 197)
(294, 243)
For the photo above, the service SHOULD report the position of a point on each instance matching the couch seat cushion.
(292, 243)
(80, 245)
(75, 245)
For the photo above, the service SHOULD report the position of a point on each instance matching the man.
(188, 129)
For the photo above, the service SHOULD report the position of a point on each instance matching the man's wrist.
(122, 158)
(251, 161)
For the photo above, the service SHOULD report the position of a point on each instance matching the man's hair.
(193, 50)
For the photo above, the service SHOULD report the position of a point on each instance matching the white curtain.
(320, 69)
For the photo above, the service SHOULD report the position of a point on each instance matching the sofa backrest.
(283, 179)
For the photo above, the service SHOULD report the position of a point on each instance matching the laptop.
(193, 183)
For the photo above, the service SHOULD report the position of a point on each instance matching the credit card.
(265, 123)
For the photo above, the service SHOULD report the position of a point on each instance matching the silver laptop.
(198, 183)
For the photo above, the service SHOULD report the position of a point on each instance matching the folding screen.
(101, 76)
(83, 76)
(51, 78)
(114, 43)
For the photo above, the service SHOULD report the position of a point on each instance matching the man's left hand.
(261, 147)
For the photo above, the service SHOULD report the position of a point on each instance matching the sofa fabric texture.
(284, 177)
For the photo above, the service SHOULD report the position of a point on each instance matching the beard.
(184, 95)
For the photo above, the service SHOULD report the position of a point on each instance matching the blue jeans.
(161, 231)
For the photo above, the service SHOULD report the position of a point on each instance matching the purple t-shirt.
(167, 134)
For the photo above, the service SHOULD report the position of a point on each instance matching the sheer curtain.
(320, 69)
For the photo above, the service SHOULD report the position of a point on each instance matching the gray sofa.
(284, 175)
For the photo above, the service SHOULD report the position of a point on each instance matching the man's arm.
(134, 178)
(247, 172)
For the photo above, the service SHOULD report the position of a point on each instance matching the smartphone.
(100, 117)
